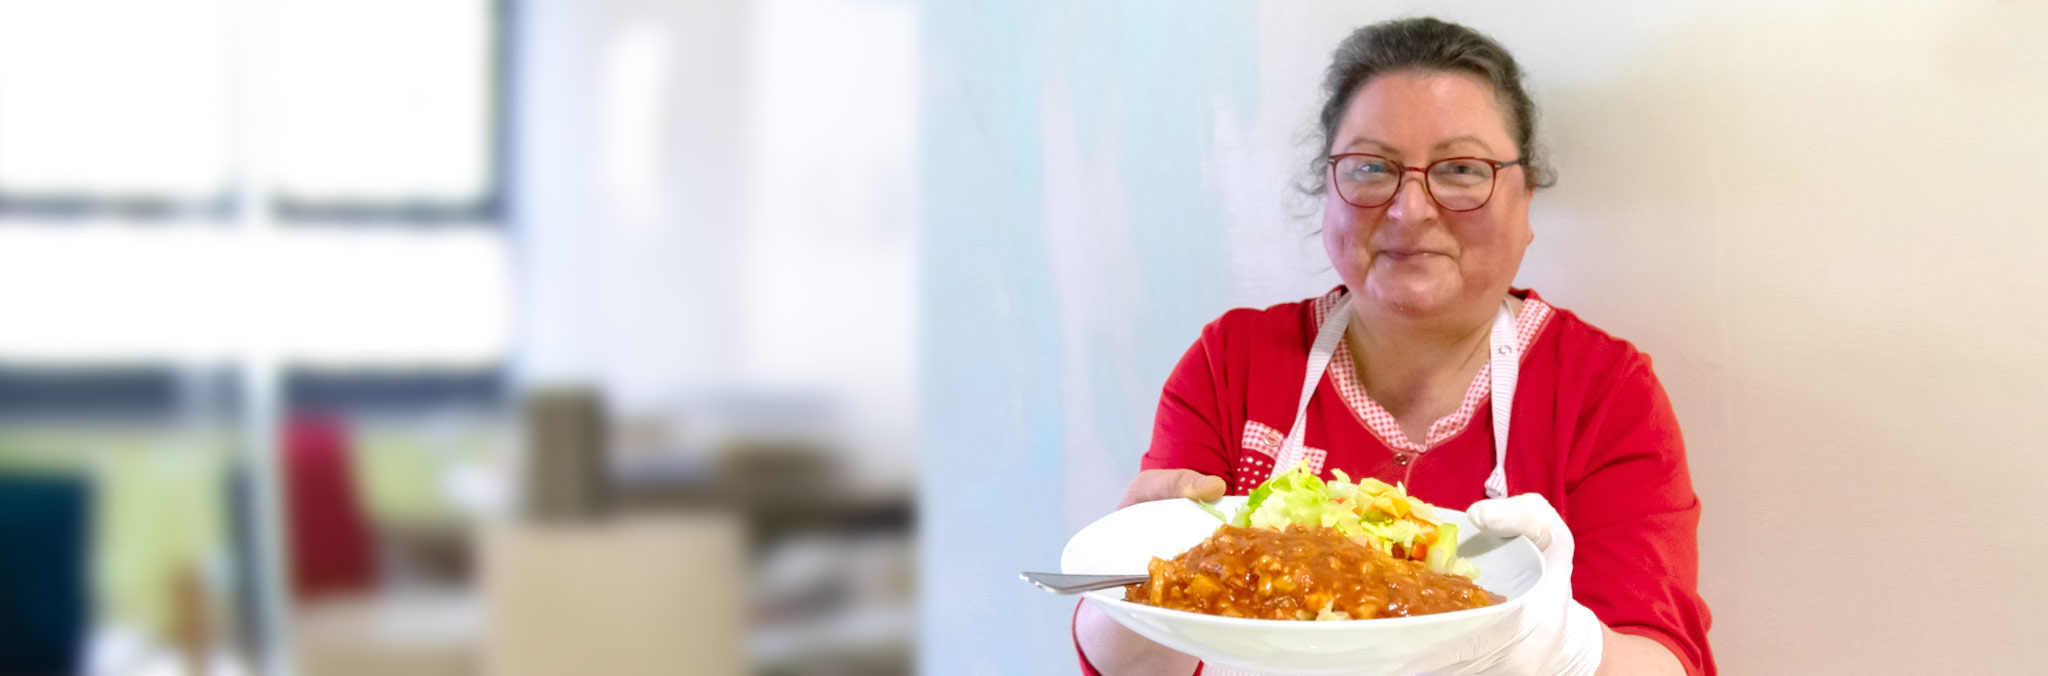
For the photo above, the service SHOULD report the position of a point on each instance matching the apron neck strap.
(1504, 364)
(1504, 369)
(1319, 355)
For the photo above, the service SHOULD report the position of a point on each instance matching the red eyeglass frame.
(1492, 187)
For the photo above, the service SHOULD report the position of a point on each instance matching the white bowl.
(1125, 541)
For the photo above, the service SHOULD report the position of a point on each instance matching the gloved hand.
(1551, 634)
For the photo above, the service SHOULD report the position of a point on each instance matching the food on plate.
(1373, 512)
(1300, 573)
(1306, 549)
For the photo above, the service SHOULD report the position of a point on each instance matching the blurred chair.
(568, 450)
(330, 535)
(45, 530)
(345, 622)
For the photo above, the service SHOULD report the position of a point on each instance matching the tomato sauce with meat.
(1300, 573)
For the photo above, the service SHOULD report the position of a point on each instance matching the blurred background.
(776, 337)
(457, 337)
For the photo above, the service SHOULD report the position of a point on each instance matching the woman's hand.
(1162, 484)
(1552, 634)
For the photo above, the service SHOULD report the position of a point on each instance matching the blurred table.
(411, 632)
(623, 595)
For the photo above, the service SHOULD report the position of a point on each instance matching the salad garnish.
(1369, 511)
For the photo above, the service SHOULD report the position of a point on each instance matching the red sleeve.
(1635, 518)
(1190, 430)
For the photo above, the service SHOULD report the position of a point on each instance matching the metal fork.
(1061, 583)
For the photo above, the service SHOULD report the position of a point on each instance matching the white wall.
(628, 191)
(1822, 222)
(714, 202)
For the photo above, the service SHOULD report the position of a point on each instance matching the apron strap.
(1504, 366)
(1319, 355)
(1505, 369)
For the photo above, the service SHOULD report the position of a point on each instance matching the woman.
(1418, 368)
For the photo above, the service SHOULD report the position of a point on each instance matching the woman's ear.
(1532, 231)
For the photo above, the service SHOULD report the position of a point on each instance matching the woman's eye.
(1363, 168)
(1462, 172)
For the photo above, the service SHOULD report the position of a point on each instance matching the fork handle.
(1062, 583)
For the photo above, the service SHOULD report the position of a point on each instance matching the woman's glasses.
(1455, 184)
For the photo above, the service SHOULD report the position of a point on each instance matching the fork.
(1061, 583)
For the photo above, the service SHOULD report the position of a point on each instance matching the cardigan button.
(1401, 459)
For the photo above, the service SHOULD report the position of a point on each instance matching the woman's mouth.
(1406, 254)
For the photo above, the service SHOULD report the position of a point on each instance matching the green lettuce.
(1370, 511)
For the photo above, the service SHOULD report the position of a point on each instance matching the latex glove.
(1551, 634)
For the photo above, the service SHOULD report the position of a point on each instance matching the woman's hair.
(1428, 44)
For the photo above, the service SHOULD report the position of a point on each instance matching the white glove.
(1551, 634)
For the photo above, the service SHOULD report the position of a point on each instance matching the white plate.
(1125, 541)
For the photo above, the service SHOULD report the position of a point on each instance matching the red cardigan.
(1592, 431)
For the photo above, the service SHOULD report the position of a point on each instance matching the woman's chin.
(1412, 300)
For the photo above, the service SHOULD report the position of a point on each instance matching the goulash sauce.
(1301, 573)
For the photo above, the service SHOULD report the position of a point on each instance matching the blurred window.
(372, 109)
(128, 128)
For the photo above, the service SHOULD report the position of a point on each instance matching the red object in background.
(330, 537)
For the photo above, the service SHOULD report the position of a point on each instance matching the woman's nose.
(1411, 201)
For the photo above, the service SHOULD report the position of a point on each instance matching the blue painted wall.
(1069, 255)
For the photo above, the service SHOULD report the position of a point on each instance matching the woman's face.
(1410, 258)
